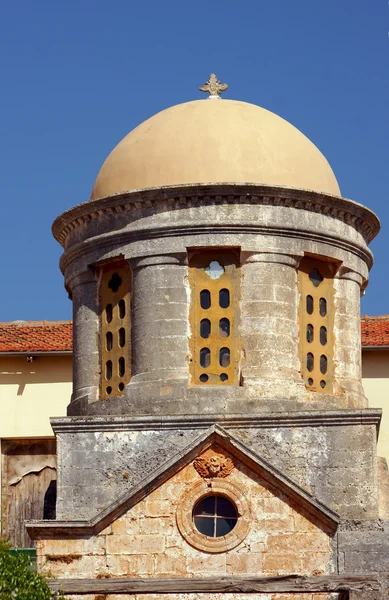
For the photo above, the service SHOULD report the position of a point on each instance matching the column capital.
(173, 259)
(350, 275)
(84, 278)
(290, 260)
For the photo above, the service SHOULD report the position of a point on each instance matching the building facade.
(218, 435)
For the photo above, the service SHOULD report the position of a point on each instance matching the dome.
(214, 141)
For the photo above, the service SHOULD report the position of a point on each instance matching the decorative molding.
(213, 435)
(203, 489)
(314, 418)
(120, 238)
(347, 211)
(368, 582)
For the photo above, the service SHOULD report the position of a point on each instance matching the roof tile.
(375, 330)
(36, 336)
(56, 336)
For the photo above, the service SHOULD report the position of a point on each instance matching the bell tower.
(218, 426)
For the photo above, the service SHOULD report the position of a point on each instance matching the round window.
(215, 516)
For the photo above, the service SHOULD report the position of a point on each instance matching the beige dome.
(214, 141)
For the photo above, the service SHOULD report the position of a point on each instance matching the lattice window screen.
(115, 305)
(214, 317)
(316, 323)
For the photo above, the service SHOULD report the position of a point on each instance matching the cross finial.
(213, 86)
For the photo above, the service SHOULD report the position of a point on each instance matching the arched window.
(115, 294)
(214, 316)
(316, 323)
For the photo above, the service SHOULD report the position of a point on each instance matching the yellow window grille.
(214, 317)
(115, 293)
(316, 323)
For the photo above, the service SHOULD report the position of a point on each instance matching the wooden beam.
(287, 584)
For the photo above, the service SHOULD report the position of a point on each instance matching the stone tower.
(218, 438)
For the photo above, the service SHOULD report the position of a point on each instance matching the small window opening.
(115, 282)
(109, 340)
(224, 298)
(316, 277)
(224, 328)
(215, 516)
(205, 358)
(205, 299)
(205, 328)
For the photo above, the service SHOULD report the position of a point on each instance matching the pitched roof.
(375, 331)
(36, 336)
(56, 336)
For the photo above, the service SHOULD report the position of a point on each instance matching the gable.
(281, 538)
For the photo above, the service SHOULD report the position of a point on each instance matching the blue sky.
(78, 75)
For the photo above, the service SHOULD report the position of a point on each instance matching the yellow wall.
(30, 393)
(375, 374)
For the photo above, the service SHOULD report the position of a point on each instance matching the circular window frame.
(199, 491)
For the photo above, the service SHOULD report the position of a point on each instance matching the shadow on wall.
(44, 369)
(375, 364)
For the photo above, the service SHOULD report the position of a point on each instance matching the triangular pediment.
(215, 435)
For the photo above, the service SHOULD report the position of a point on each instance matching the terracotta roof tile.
(36, 336)
(56, 336)
(375, 330)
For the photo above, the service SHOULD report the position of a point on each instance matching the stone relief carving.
(213, 466)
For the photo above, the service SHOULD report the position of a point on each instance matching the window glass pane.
(323, 307)
(224, 328)
(323, 335)
(206, 507)
(224, 357)
(224, 298)
(309, 304)
(323, 364)
(224, 526)
(205, 357)
(205, 328)
(205, 526)
(225, 508)
(309, 333)
(316, 277)
(310, 361)
(205, 299)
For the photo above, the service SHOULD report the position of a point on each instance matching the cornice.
(116, 239)
(312, 418)
(347, 211)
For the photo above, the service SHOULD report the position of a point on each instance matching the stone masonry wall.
(146, 541)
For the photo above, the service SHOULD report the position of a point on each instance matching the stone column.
(86, 362)
(159, 315)
(347, 336)
(269, 323)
